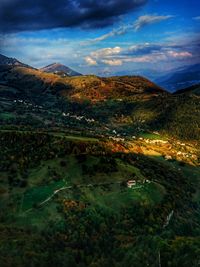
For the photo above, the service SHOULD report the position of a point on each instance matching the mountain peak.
(60, 69)
(55, 64)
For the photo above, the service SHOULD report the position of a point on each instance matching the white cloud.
(112, 62)
(141, 59)
(182, 54)
(90, 61)
(149, 19)
(139, 23)
(152, 58)
(142, 53)
(105, 52)
(104, 55)
(115, 32)
(158, 56)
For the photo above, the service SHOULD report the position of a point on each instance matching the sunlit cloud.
(112, 62)
(90, 61)
(106, 52)
(183, 54)
(140, 53)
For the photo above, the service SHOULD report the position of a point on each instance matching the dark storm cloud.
(20, 15)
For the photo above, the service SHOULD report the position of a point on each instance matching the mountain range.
(172, 80)
(56, 68)
(180, 78)
(133, 103)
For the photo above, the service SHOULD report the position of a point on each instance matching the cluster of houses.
(186, 155)
(132, 183)
(26, 103)
(156, 141)
(79, 118)
(116, 139)
(151, 141)
(116, 136)
(181, 144)
(179, 153)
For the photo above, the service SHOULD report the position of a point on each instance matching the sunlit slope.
(79, 88)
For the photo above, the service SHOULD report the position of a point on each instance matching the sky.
(103, 37)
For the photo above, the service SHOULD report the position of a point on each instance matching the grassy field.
(96, 185)
(36, 195)
(6, 115)
(117, 199)
(152, 136)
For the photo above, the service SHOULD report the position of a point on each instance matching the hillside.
(194, 89)
(80, 88)
(12, 62)
(66, 200)
(97, 89)
(179, 116)
(130, 104)
(60, 69)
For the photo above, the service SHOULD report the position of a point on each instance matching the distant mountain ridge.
(55, 68)
(181, 78)
(60, 69)
(12, 62)
(148, 73)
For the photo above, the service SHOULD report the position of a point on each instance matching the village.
(151, 144)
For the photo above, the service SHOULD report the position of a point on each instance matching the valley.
(97, 171)
(99, 133)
